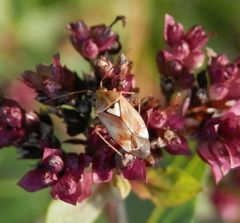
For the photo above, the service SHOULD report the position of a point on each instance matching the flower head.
(92, 41)
(12, 121)
(63, 172)
(219, 143)
(224, 78)
(185, 54)
(165, 128)
(51, 81)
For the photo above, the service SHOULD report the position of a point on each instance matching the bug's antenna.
(64, 95)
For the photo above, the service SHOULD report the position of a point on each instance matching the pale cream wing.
(116, 129)
(140, 146)
(132, 119)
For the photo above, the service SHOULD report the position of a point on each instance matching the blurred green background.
(31, 31)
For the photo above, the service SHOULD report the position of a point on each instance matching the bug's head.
(105, 98)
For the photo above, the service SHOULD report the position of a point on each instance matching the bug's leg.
(125, 160)
(111, 146)
(139, 105)
(128, 92)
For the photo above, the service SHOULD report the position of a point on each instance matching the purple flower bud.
(79, 31)
(185, 55)
(123, 83)
(194, 61)
(12, 118)
(104, 67)
(103, 161)
(51, 81)
(136, 171)
(176, 144)
(219, 143)
(90, 42)
(168, 64)
(37, 179)
(173, 32)
(101, 175)
(86, 182)
(181, 50)
(156, 118)
(220, 70)
(175, 121)
(225, 79)
(210, 130)
(196, 38)
(67, 189)
(229, 126)
(204, 151)
(52, 158)
(220, 150)
(218, 91)
(89, 49)
(75, 164)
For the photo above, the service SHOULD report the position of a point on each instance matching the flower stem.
(116, 210)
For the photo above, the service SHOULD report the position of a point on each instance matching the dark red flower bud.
(181, 50)
(37, 179)
(51, 81)
(185, 55)
(52, 158)
(123, 83)
(12, 118)
(219, 143)
(86, 182)
(156, 118)
(75, 164)
(136, 171)
(225, 79)
(173, 32)
(194, 61)
(218, 91)
(176, 144)
(79, 31)
(67, 189)
(220, 70)
(196, 38)
(89, 49)
(210, 130)
(90, 42)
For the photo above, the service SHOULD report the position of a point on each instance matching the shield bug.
(122, 121)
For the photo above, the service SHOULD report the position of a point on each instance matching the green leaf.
(123, 185)
(195, 168)
(168, 187)
(182, 213)
(86, 211)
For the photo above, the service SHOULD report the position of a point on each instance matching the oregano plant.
(158, 150)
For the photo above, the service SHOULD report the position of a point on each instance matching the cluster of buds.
(201, 92)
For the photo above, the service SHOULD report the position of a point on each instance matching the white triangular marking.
(115, 110)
